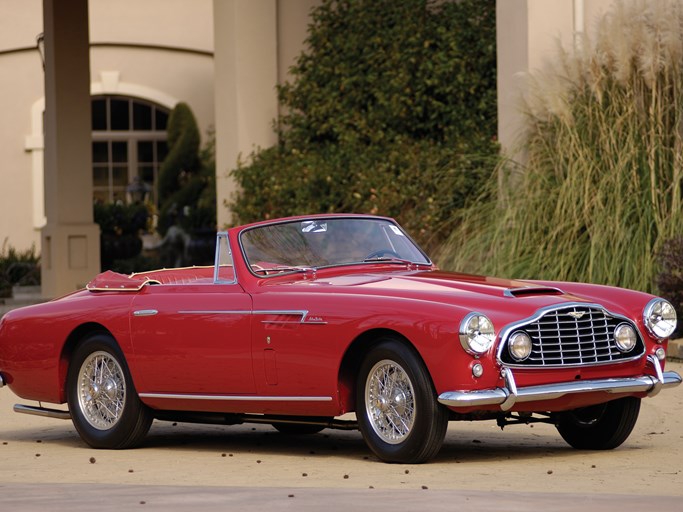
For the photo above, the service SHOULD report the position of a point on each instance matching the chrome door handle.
(145, 312)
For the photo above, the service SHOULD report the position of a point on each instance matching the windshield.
(303, 244)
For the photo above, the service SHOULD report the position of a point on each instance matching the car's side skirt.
(238, 398)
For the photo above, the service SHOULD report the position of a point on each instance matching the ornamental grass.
(599, 192)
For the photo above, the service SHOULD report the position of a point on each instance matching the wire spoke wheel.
(104, 405)
(101, 390)
(398, 414)
(390, 401)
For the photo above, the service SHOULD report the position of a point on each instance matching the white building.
(114, 69)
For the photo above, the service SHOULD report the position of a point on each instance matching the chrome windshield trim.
(237, 398)
(217, 259)
(428, 262)
(510, 395)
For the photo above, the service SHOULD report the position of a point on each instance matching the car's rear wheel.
(104, 405)
(397, 411)
(600, 427)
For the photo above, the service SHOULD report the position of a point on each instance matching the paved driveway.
(45, 466)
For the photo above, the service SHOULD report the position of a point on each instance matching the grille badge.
(576, 314)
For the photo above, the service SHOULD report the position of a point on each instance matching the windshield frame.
(305, 268)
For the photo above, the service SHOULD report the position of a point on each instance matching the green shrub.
(418, 182)
(120, 228)
(183, 149)
(391, 111)
(18, 268)
(187, 185)
(601, 188)
(670, 277)
(118, 218)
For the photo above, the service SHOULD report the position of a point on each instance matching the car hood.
(506, 299)
(437, 282)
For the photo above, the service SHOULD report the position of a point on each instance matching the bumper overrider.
(510, 395)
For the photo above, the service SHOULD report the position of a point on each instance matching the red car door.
(192, 339)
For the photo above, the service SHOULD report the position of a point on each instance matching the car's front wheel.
(600, 427)
(397, 411)
(104, 405)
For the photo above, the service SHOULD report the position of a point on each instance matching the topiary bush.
(120, 227)
(391, 110)
(183, 150)
(187, 188)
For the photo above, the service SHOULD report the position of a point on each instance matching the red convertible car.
(305, 319)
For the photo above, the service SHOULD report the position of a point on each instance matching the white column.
(70, 249)
(528, 33)
(246, 74)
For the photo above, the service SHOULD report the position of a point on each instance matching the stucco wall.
(21, 76)
(528, 34)
(128, 39)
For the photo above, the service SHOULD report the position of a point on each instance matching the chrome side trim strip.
(238, 398)
(213, 312)
(145, 312)
(285, 322)
(42, 411)
(297, 312)
(301, 313)
(507, 397)
(294, 312)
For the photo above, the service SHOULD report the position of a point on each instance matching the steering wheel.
(381, 252)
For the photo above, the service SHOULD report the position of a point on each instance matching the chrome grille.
(569, 336)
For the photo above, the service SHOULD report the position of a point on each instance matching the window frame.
(112, 192)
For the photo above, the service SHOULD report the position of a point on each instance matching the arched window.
(128, 143)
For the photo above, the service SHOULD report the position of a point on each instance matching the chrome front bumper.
(510, 395)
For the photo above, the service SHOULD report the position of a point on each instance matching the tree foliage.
(391, 110)
(186, 185)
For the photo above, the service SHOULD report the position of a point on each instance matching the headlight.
(660, 318)
(519, 346)
(476, 333)
(625, 337)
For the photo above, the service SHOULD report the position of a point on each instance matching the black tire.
(600, 427)
(104, 405)
(405, 423)
(293, 429)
